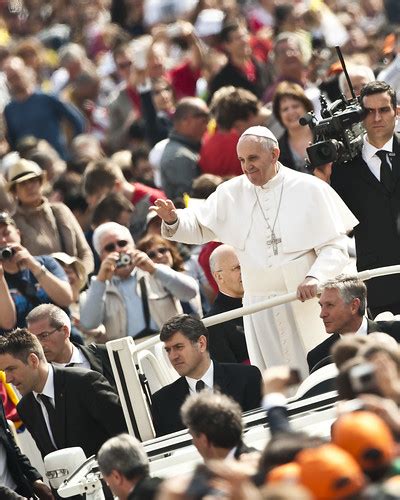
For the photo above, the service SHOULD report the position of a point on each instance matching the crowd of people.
(154, 172)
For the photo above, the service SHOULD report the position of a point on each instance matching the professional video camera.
(339, 135)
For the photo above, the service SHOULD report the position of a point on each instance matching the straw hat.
(23, 170)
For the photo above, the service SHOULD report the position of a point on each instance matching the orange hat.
(330, 472)
(366, 437)
(389, 44)
(287, 473)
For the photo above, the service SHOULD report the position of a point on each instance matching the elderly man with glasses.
(131, 295)
(52, 327)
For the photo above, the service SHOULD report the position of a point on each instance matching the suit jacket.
(18, 464)
(323, 350)
(99, 360)
(378, 233)
(145, 489)
(241, 382)
(88, 412)
(226, 341)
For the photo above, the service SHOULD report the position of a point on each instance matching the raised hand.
(166, 210)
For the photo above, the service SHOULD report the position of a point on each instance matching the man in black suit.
(186, 342)
(215, 424)
(18, 473)
(61, 407)
(227, 342)
(370, 187)
(52, 326)
(125, 468)
(343, 304)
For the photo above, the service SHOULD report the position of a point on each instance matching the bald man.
(227, 341)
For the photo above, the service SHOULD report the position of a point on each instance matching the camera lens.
(6, 253)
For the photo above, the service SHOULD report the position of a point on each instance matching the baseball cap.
(23, 170)
(287, 473)
(70, 260)
(366, 437)
(330, 472)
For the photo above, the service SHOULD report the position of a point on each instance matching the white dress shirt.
(207, 378)
(373, 161)
(48, 390)
(77, 358)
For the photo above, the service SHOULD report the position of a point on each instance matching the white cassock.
(311, 226)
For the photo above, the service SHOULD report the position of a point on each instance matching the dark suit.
(98, 359)
(241, 382)
(88, 412)
(378, 233)
(145, 489)
(18, 464)
(323, 350)
(226, 341)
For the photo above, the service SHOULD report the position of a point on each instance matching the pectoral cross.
(274, 242)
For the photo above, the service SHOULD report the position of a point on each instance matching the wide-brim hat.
(23, 170)
(70, 260)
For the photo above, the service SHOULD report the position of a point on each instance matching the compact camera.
(124, 260)
(6, 253)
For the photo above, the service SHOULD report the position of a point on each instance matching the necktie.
(200, 385)
(386, 172)
(51, 411)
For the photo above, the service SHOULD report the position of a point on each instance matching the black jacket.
(88, 412)
(378, 233)
(323, 350)
(18, 464)
(231, 75)
(227, 342)
(99, 360)
(241, 382)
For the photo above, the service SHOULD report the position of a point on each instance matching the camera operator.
(131, 295)
(370, 187)
(26, 281)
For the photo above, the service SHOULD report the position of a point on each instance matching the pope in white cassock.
(289, 232)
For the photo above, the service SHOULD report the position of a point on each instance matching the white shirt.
(5, 476)
(207, 378)
(77, 358)
(48, 390)
(363, 330)
(373, 161)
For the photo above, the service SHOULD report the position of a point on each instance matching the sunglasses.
(153, 253)
(111, 247)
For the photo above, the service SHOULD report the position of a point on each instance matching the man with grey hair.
(52, 327)
(125, 468)
(343, 303)
(131, 295)
(288, 231)
(359, 75)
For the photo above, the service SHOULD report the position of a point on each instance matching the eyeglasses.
(112, 246)
(45, 335)
(154, 253)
